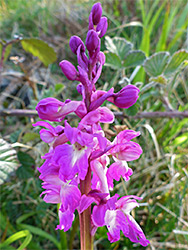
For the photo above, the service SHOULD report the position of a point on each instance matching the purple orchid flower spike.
(80, 168)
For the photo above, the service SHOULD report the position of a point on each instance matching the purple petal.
(116, 170)
(85, 202)
(135, 233)
(102, 26)
(75, 42)
(92, 41)
(46, 136)
(65, 218)
(114, 220)
(69, 70)
(96, 13)
(107, 115)
(94, 105)
(98, 215)
(126, 136)
(127, 152)
(70, 197)
(126, 97)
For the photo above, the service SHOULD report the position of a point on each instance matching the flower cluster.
(74, 153)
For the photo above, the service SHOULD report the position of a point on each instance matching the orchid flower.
(81, 165)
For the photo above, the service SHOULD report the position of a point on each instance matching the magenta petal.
(96, 13)
(85, 202)
(127, 203)
(83, 77)
(98, 69)
(92, 41)
(98, 215)
(82, 165)
(107, 115)
(61, 139)
(46, 136)
(51, 196)
(91, 118)
(44, 124)
(52, 109)
(126, 136)
(69, 70)
(81, 110)
(71, 133)
(127, 152)
(126, 97)
(116, 170)
(114, 220)
(74, 43)
(63, 157)
(102, 26)
(48, 109)
(82, 59)
(65, 218)
(70, 197)
(135, 233)
(100, 171)
(97, 103)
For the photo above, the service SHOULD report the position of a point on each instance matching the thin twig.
(146, 115)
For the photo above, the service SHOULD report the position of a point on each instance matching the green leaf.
(177, 36)
(131, 111)
(110, 45)
(27, 162)
(25, 216)
(31, 136)
(17, 236)
(40, 232)
(8, 160)
(40, 49)
(122, 47)
(155, 16)
(161, 45)
(180, 139)
(134, 58)
(59, 87)
(156, 63)
(118, 46)
(25, 159)
(112, 60)
(176, 60)
(7, 51)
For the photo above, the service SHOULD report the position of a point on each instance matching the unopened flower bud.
(96, 13)
(69, 70)
(92, 41)
(75, 42)
(52, 109)
(102, 26)
(126, 97)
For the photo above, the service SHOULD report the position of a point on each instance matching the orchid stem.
(85, 217)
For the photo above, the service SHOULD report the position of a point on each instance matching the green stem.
(73, 232)
(85, 217)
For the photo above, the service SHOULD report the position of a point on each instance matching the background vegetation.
(30, 72)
